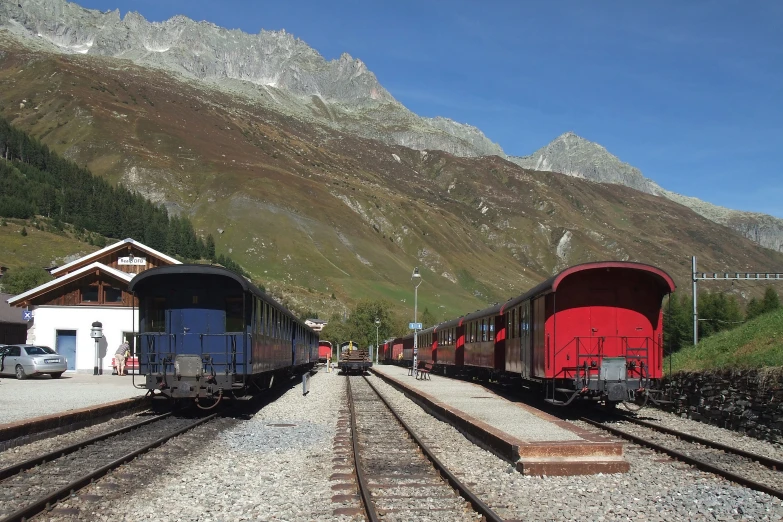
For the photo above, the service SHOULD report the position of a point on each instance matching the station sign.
(132, 261)
(414, 326)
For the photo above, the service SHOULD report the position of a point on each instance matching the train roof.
(550, 285)
(197, 269)
(450, 323)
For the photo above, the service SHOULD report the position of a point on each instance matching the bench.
(423, 372)
(410, 368)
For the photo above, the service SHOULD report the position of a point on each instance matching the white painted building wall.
(116, 320)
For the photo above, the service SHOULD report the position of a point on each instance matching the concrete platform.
(41, 403)
(538, 443)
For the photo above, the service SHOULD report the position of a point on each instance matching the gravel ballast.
(655, 489)
(273, 466)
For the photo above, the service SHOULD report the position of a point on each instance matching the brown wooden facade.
(111, 259)
(98, 288)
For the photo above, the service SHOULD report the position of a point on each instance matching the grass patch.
(755, 344)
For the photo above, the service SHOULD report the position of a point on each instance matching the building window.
(112, 295)
(89, 294)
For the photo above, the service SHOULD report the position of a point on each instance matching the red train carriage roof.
(665, 282)
(449, 324)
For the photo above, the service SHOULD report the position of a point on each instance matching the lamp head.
(378, 322)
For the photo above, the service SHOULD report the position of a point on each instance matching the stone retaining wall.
(749, 401)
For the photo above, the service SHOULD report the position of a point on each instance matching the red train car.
(593, 331)
(324, 350)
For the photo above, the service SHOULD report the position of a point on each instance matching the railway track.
(29, 487)
(747, 469)
(398, 475)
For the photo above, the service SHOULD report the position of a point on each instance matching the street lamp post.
(377, 346)
(416, 278)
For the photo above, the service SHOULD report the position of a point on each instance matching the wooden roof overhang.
(126, 244)
(24, 299)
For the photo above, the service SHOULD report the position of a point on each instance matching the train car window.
(235, 322)
(156, 314)
(491, 329)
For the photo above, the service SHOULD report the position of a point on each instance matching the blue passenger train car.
(206, 332)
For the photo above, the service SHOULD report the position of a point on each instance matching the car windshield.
(39, 350)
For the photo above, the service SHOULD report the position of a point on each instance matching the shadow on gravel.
(239, 407)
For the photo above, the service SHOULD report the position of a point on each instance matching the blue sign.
(414, 326)
(27, 315)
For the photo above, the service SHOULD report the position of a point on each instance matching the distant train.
(592, 332)
(206, 333)
(324, 351)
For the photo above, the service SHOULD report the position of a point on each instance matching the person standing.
(119, 357)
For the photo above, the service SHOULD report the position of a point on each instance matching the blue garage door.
(66, 346)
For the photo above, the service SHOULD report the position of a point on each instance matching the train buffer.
(423, 371)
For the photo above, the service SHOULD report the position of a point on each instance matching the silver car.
(24, 360)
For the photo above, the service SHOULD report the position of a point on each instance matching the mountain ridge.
(283, 73)
(575, 156)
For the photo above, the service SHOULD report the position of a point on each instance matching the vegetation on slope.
(757, 343)
(35, 181)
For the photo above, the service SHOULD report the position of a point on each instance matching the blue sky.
(689, 92)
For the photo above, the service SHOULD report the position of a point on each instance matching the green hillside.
(37, 248)
(755, 344)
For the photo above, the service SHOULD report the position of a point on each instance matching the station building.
(92, 288)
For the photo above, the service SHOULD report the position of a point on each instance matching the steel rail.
(364, 488)
(761, 459)
(698, 463)
(49, 501)
(36, 461)
(462, 489)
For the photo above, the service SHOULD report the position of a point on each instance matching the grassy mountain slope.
(756, 344)
(38, 248)
(310, 212)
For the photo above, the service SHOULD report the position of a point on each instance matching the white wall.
(116, 320)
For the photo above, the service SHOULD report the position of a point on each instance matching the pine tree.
(210, 247)
(24, 231)
(771, 300)
(753, 310)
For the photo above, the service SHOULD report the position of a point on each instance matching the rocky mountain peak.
(573, 155)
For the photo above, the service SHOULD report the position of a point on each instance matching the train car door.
(525, 345)
(501, 331)
(293, 342)
(603, 321)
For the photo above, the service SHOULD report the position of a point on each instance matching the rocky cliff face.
(575, 156)
(274, 68)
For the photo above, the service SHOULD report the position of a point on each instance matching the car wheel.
(56, 375)
(20, 372)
